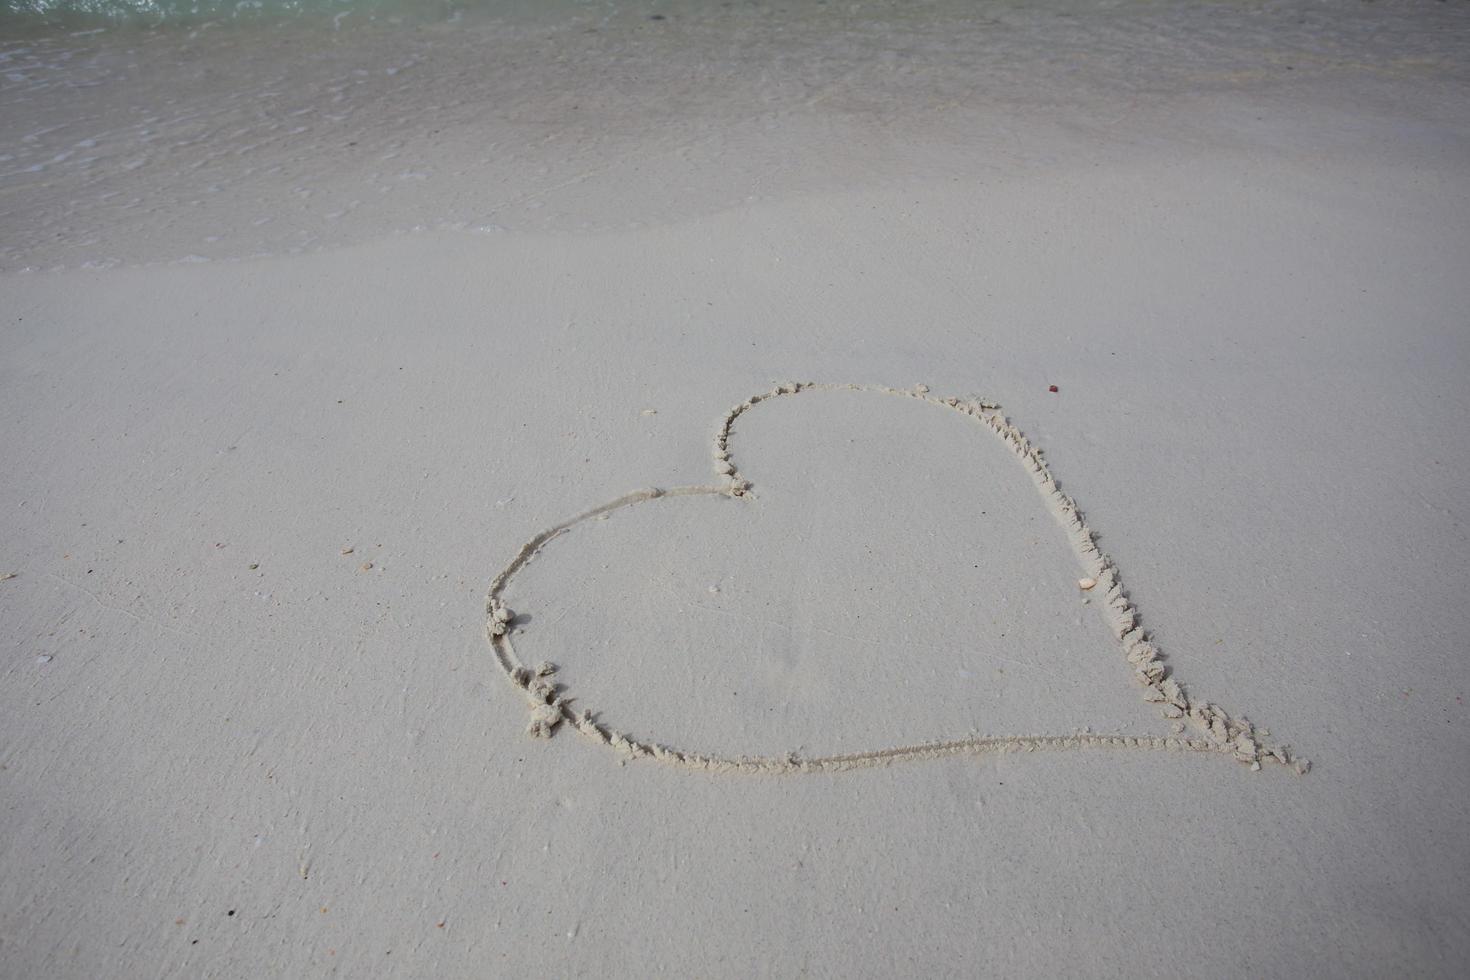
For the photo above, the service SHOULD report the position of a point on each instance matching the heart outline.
(1217, 731)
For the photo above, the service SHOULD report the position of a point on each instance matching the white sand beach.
(1124, 636)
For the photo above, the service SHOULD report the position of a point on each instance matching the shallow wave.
(252, 138)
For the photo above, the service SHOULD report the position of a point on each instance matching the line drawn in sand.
(1214, 730)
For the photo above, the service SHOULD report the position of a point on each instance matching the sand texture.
(882, 491)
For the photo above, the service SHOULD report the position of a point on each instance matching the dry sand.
(262, 464)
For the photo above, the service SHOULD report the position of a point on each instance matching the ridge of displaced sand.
(1215, 729)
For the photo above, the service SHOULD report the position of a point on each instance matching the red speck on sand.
(1053, 388)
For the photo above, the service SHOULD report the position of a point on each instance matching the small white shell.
(1086, 583)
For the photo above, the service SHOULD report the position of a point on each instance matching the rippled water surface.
(17, 14)
(303, 127)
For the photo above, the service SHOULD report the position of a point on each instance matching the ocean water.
(84, 14)
(172, 130)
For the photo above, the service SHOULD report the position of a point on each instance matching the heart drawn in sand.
(1195, 725)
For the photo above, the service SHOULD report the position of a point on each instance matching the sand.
(259, 486)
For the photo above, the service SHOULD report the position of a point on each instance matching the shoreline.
(251, 148)
(1209, 257)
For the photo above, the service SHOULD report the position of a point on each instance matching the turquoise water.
(80, 14)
